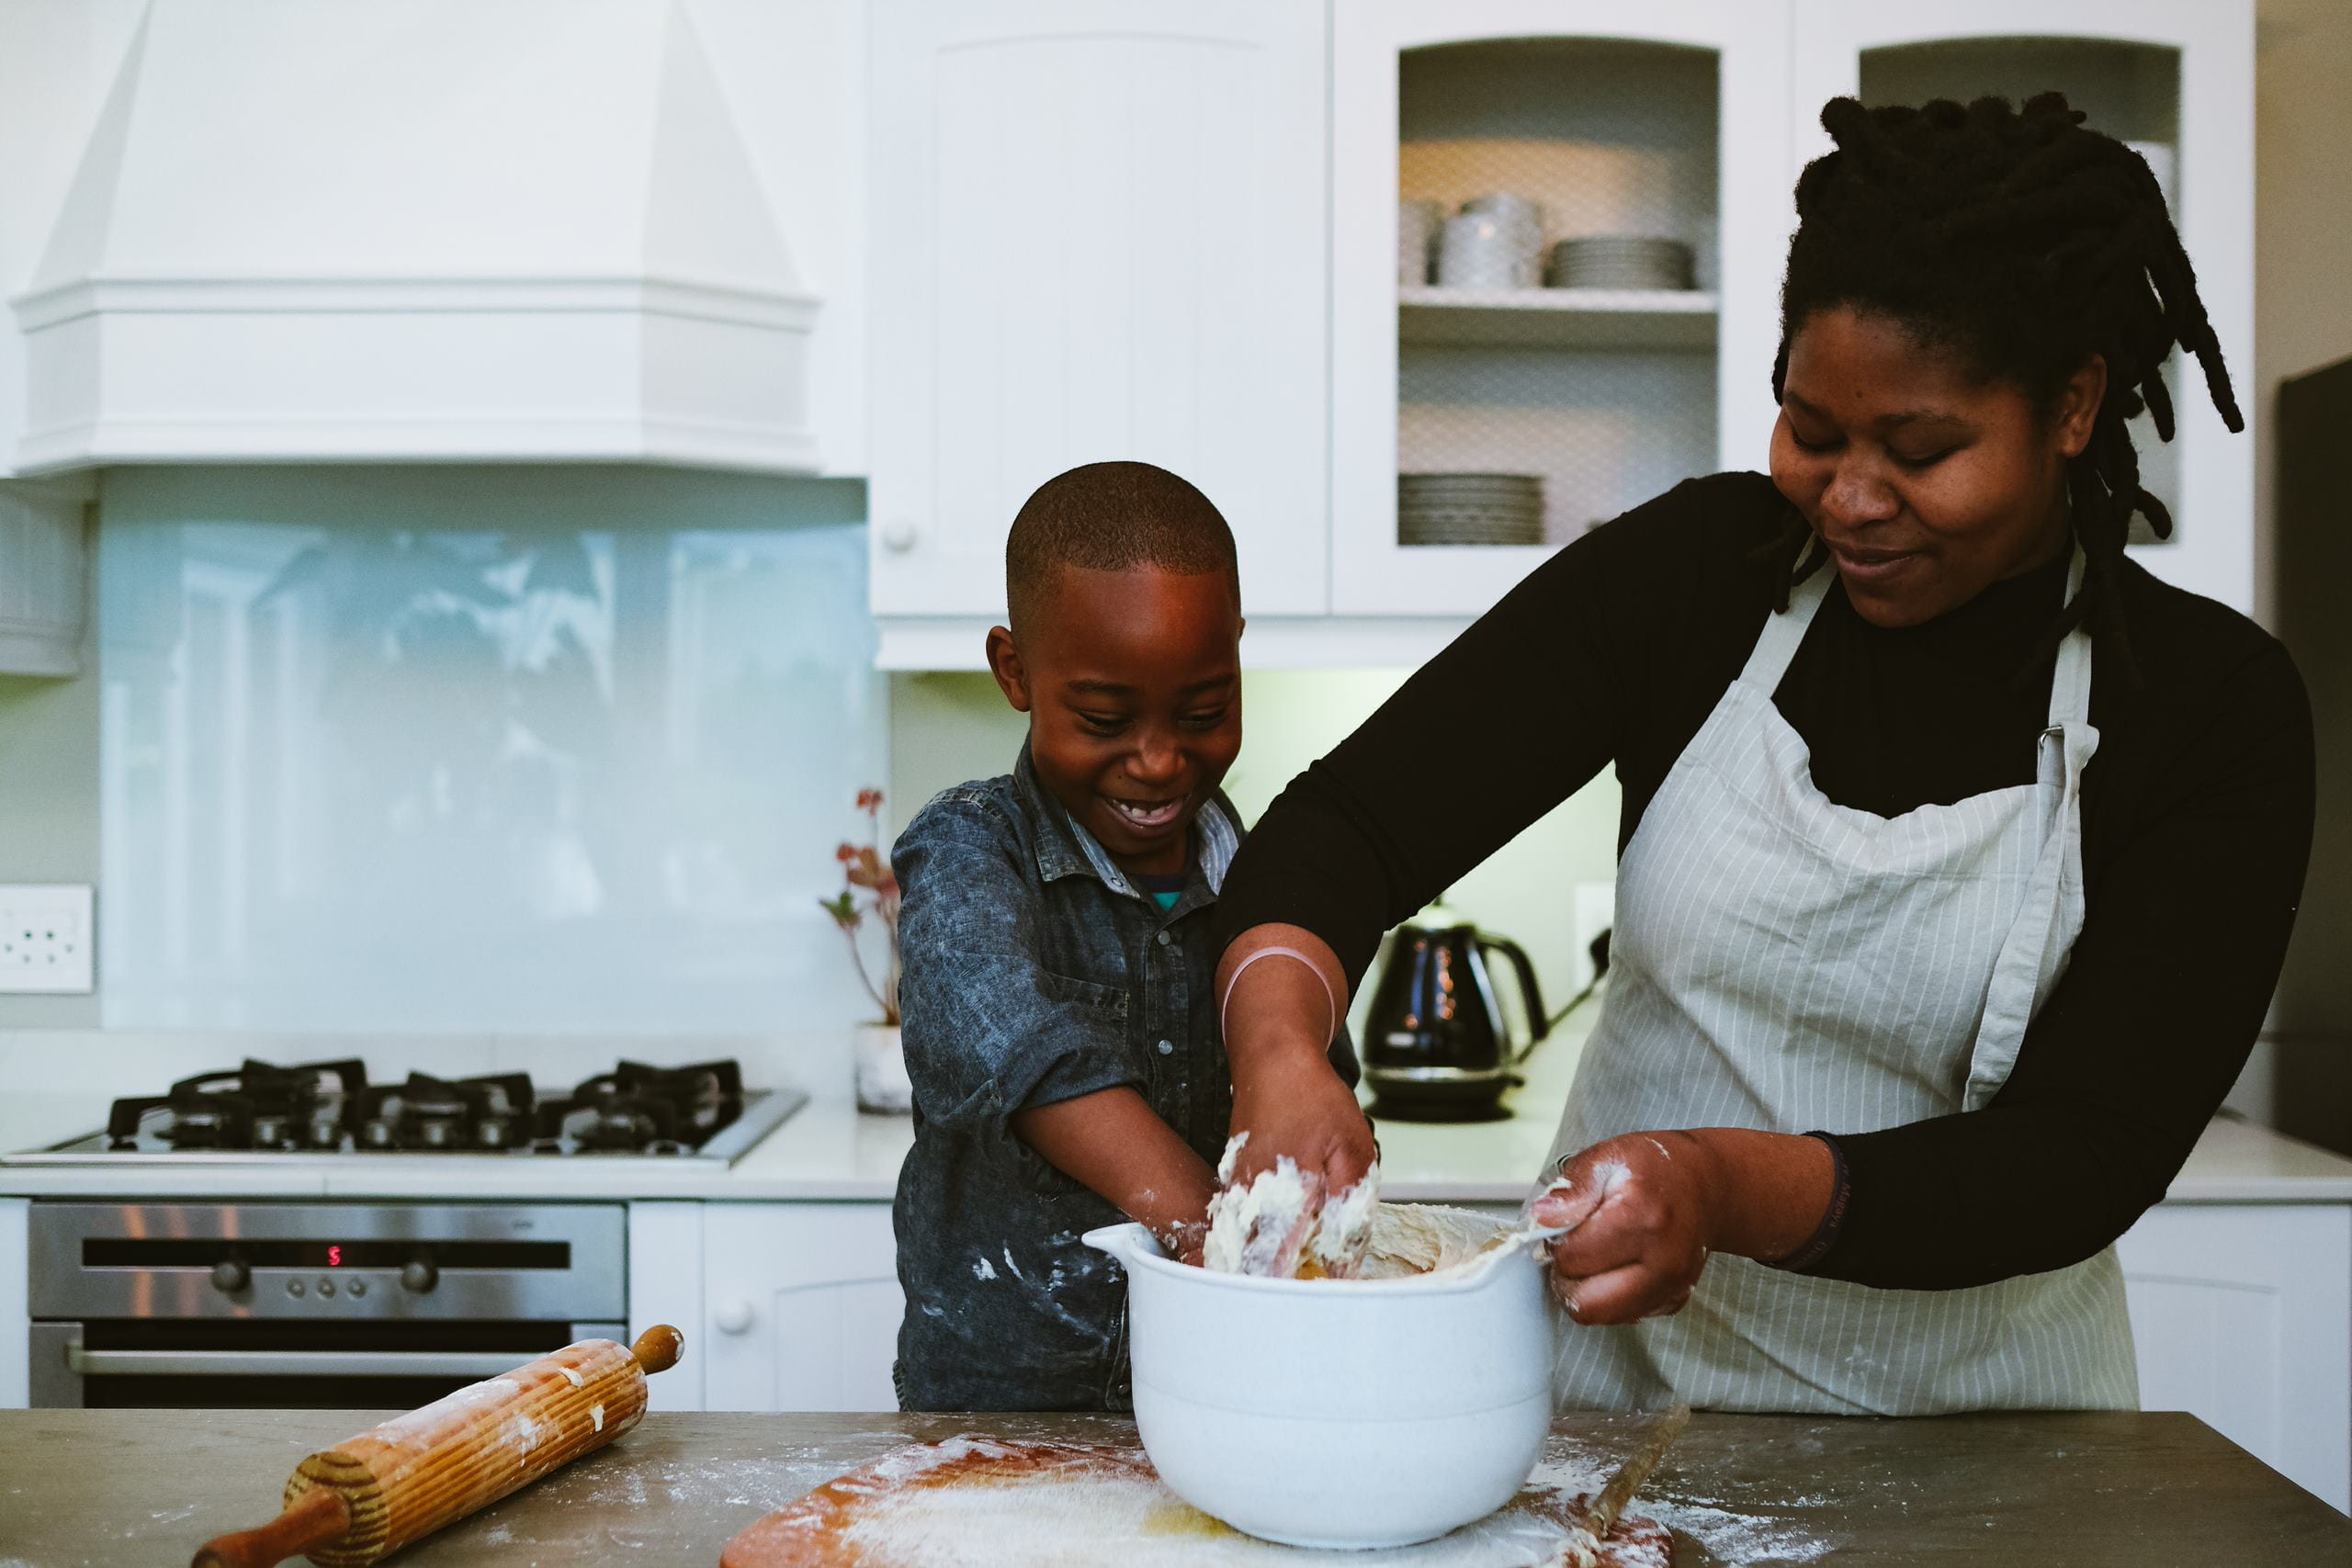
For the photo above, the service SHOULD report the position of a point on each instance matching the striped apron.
(1784, 963)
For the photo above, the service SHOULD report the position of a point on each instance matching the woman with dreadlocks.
(1958, 853)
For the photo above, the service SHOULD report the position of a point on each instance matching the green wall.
(946, 728)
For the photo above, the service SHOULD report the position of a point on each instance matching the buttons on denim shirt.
(1168, 1047)
(1165, 939)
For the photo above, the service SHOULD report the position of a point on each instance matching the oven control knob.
(420, 1276)
(231, 1275)
(733, 1316)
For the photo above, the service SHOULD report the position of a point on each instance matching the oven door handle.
(91, 1363)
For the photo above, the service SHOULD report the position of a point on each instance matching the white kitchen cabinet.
(1043, 170)
(800, 1306)
(2241, 1315)
(16, 1312)
(1098, 232)
(44, 573)
(666, 1285)
(1669, 120)
(2176, 74)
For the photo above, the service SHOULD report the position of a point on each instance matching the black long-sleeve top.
(2197, 819)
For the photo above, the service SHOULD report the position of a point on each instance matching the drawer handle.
(90, 1363)
(733, 1316)
(899, 535)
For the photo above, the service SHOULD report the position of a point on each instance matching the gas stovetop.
(328, 1111)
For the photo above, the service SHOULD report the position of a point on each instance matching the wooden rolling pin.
(374, 1494)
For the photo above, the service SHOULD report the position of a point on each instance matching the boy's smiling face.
(1132, 683)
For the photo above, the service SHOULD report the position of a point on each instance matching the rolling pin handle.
(658, 1348)
(318, 1518)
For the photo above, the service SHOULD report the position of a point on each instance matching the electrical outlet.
(1592, 909)
(46, 938)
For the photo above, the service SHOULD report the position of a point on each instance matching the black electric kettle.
(1436, 1047)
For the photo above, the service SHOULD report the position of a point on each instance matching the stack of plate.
(1604, 261)
(1470, 509)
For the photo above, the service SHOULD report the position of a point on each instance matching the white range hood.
(452, 230)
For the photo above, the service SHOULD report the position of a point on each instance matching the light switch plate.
(46, 938)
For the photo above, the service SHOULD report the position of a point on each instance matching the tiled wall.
(552, 749)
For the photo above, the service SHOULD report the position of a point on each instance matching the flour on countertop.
(1049, 1506)
(1729, 1536)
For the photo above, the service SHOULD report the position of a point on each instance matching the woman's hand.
(1297, 1105)
(1637, 1213)
(1282, 996)
(1645, 1209)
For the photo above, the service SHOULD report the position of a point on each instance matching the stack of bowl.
(1469, 509)
(1620, 261)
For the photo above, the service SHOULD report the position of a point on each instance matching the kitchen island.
(124, 1489)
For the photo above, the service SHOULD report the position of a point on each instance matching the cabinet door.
(2178, 73)
(1662, 121)
(2241, 1315)
(801, 1306)
(1099, 232)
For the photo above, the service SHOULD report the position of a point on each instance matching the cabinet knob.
(733, 1316)
(899, 535)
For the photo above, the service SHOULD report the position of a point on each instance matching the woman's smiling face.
(1927, 484)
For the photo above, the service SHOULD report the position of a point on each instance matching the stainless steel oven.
(310, 1305)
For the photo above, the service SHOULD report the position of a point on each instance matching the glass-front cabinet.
(1544, 308)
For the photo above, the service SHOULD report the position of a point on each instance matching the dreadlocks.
(2023, 243)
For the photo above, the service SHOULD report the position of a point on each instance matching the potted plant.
(872, 894)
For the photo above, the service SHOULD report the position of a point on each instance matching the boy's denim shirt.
(1037, 971)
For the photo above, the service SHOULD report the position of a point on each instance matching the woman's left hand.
(1644, 1211)
(1641, 1222)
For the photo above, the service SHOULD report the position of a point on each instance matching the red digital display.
(335, 1258)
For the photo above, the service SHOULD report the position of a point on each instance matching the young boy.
(1059, 1022)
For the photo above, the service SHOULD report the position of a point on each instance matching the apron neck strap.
(2070, 685)
(1783, 633)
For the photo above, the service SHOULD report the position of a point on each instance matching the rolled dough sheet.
(976, 1503)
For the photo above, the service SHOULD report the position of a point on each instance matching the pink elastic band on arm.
(1331, 1003)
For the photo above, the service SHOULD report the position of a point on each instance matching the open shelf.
(1609, 394)
(1557, 318)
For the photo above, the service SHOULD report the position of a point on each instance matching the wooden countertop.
(120, 1489)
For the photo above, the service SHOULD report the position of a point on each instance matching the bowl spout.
(1126, 1243)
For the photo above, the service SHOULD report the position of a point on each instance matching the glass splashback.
(549, 750)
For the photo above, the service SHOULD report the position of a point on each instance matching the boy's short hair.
(1113, 517)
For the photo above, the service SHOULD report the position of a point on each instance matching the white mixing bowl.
(1348, 1414)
